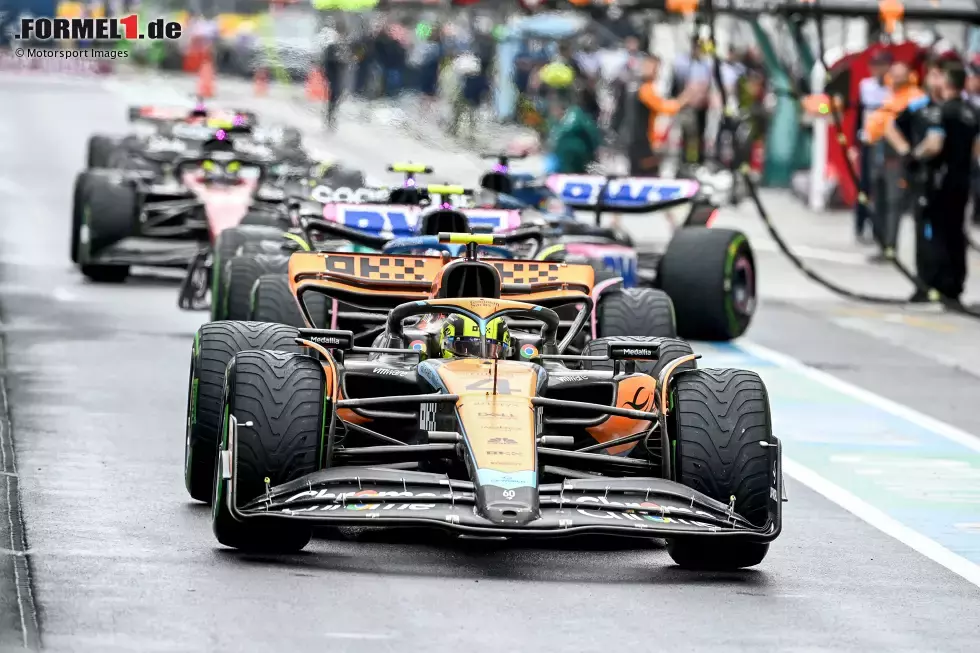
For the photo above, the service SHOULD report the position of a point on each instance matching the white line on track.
(887, 525)
(932, 424)
(851, 503)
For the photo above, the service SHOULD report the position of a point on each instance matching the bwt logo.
(629, 192)
(403, 221)
(398, 222)
(623, 265)
(99, 29)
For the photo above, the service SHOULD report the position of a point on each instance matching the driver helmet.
(461, 337)
(322, 168)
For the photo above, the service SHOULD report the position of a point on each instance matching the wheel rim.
(743, 286)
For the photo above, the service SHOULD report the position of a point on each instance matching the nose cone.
(516, 507)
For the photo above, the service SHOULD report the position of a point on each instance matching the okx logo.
(97, 29)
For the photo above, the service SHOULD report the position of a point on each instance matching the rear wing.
(401, 220)
(623, 194)
(217, 119)
(382, 281)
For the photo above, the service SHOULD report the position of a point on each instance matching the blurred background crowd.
(612, 86)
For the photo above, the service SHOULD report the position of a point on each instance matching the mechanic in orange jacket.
(888, 184)
(649, 105)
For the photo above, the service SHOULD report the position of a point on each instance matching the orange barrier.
(316, 86)
(261, 82)
(195, 55)
(205, 79)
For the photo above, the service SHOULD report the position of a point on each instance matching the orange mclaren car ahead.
(467, 413)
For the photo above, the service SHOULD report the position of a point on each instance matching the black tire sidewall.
(644, 312)
(243, 273)
(111, 206)
(697, 271)
(78, 214)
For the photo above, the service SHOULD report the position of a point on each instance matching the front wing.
(377, 496)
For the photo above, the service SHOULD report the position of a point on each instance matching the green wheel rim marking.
(729, 274)
(192, 407)
(195, 352)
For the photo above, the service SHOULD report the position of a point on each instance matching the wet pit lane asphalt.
(121, 560)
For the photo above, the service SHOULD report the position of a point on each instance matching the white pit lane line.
(847, 500)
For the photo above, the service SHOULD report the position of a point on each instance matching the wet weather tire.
(670, 350)
(227, 246)
(100, 151)
(273, 301)
(636, 312)
(719, 419)
(77, 213)
(110, 214)
(282, 396)
(214, 346)
(243, 272)
(710, 276)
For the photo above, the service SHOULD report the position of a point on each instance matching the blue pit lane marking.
(910, 475)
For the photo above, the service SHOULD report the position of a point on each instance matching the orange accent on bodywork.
(333, 389)
(665, 375)
(379, 274)
(635, 392)
(499, 427)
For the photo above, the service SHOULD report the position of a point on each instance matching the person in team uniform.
(649, 105)
(872, 93)
(886, 167)
(336, 55)
(972, 96)
(940, 142)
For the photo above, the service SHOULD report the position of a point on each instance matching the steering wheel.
(549, 332)
(408, 245)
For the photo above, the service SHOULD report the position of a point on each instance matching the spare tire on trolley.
(710, 276)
